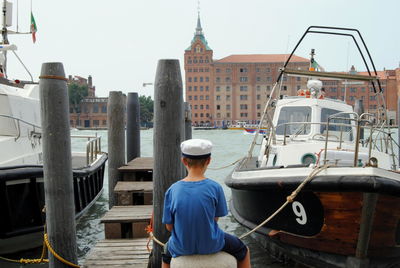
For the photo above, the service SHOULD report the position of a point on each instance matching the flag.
(33, 28)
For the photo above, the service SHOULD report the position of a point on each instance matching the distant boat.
(253, 130)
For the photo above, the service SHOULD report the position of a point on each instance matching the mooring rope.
(218, 168)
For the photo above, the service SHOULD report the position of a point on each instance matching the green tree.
(76, 94)
(146, 109)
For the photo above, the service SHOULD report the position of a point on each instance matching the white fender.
(217, 260)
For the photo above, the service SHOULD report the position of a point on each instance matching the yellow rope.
(58, 257)
(46, 245)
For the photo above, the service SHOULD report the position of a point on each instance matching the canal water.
(229, 146)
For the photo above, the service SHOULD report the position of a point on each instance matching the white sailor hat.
(196, 148)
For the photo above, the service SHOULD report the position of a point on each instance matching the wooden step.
(138, 169)
(127, 221)
(118, 253)
(134, 193)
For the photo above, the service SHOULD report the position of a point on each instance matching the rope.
(289, 199)
(226, 165)
(56, 77)
(58, 257)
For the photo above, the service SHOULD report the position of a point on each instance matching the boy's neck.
(195, 174)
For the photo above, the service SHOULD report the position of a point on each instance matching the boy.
(192, 207)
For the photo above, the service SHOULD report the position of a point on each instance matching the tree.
(146, 109)
(76, 94)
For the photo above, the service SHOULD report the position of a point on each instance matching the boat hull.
(322, 225)
(22, 200)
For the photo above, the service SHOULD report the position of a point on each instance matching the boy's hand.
(169, 227)
(216, 219)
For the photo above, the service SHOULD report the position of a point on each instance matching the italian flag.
(33, 28)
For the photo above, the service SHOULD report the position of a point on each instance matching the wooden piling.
(359, 109)
(168, 118)
(188, 121)
(116, 140)
(132, 127)
(57, 164)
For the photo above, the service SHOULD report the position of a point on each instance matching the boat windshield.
(293, 119)
(336, 126)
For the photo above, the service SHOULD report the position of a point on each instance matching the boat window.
(336, 125)
(294, 118)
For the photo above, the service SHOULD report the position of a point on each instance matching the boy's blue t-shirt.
(191, 207)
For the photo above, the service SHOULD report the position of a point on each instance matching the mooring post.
(132, 127)
(168, 118)
(116, 141)
(188, 121)
(57, 163)
(359, 109)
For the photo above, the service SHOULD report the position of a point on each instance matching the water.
(229, 146)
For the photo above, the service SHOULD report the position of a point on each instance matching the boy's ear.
(208, 161)
(184, 161)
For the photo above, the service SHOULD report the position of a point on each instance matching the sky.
(120, 42)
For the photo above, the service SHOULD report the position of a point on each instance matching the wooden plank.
(128, 214)
(133, 186)
(115, 253)
(138, 164)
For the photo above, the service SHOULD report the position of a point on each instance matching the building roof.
(199, 35)
(260, 58)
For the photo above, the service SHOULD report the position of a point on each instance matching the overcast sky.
(120, 42)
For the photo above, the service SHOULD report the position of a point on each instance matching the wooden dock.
(124, 225)
(108, 253)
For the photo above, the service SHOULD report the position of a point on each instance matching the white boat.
(347, 212)
(21, 163)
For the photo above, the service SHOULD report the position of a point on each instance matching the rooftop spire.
(199, 30)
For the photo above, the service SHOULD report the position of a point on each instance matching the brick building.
(92, 111)
(235, 88)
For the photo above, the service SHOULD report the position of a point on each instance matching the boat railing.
(18, 125)
(93, 147)
(378, 138)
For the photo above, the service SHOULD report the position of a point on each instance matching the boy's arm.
(216, 219)
(169, 227)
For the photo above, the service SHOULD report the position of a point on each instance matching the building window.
(243, 79)
(227, 79)
(228, 106)
(268, 87)
(207, 97)
(190, 88)
(218, 97)
(257, 70)
(243, 88)
(298, 78)
(228, 70)
(201, 97)
(190, 70)
(195, 88)
(201, 114)
(298, 87)
(228, 115)
(243, 114)
(353, 90)
(243, 97)
(243, 106)
(284, 88)
(195, 79)
(104, 109)
(104, 122)
(352, 98)
(190, 97)
(218, 115)
(96, 123)
(372, 97)
(258, 79)
(258, 114)
(258, 88)
(228, 88)
(201, 69)
(195, 107)
(201, 88)
(218, 107)
(201, 78)
(218, 79)
(268, 79)
(268, 70)
(243, 70)
(195, 115)
(363, 89)
(96, 109)
(258, 97)
(218, 89)
(284, 79)
(201, 107)
(207, 79)
(207, 107)
(195, 97)
(207, 89)
(218, 70)
(228, 97)
(189, 79)
(333, 89)
(258, 106)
